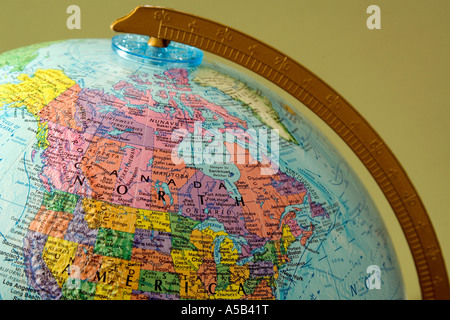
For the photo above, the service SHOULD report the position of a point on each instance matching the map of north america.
(118, 206)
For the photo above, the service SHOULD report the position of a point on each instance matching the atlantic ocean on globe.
(155, 174)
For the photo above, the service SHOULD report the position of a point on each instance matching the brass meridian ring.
(289, 75)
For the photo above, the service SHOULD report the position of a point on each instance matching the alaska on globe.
(137, 172)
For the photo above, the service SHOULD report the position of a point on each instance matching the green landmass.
(113, 243)
(19, 58)
(60, 201)
(159, 282)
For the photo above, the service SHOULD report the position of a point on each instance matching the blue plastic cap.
(135, 47)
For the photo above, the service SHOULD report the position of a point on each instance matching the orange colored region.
(289, 109)
(52, 223)
(207, 273)
(239, 274)
(263, 291)
(118, 273)
(263, 203)
(62, 109)
(101, 163)
(153, 260)
(167, 177)
(88, 262)
(306, 235)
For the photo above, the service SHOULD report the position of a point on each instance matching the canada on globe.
(151, 173)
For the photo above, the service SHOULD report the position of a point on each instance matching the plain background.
(396, 77)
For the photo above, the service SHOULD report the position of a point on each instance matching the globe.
(132, 172)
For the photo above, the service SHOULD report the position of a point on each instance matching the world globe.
(135, 172)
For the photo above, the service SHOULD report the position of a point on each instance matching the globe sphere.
(130, 172)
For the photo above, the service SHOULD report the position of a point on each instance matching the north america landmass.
(118, 218)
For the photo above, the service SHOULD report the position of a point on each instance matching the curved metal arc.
(335, 111)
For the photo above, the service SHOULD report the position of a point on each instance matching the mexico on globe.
(134, 168)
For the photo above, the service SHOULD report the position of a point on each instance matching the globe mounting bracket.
(165, 25)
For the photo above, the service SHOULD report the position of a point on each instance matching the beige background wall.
(397, 77)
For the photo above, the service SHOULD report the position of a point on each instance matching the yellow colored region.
(233, 291)
(58, 255)
(229, 255)
(119, 273)
(41, 135)
(287, 237)
(37, 91)
(101, 214)
(203, 242)
(276, 274)
(153, 220)
(111, 292)
(186, 259)
(208, 231)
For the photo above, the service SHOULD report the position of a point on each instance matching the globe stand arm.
(289, 75)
